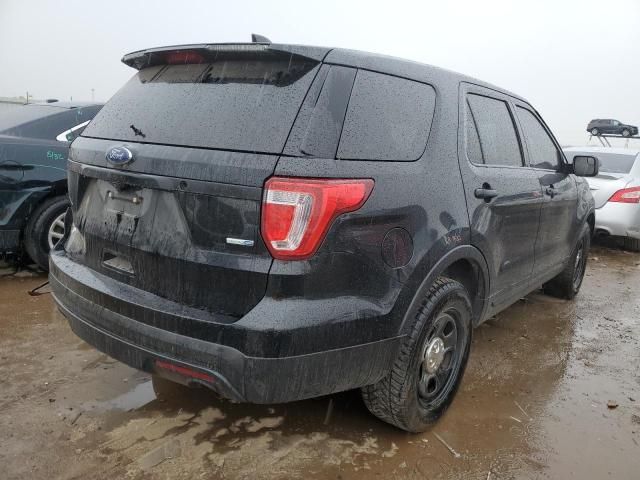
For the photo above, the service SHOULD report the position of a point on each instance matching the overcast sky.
(573, 60)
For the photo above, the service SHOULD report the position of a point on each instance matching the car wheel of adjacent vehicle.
(567, 284)
(630, 244)
(626, 133)
(431, 362)
(595, 131)
(44, 229)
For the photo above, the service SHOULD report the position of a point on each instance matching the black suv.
(279, 222)
(609, 126)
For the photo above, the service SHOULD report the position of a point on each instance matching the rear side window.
(496, 132)
(542, 151)
(325, 125)
(388, 118)
(235, 103)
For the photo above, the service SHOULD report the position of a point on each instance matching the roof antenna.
(256, 38)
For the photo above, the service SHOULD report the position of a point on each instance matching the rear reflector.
(626, 195)
(297, 212)
(185, 371)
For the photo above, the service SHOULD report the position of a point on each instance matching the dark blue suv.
(34, 143)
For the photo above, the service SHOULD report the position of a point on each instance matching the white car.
(616, 191)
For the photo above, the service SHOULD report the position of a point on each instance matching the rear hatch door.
(166, 182)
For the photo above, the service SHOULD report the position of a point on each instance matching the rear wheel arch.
(465, 264)
(57, 189)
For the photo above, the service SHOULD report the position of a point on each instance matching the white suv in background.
(616, 191)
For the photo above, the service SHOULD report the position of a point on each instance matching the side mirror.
(584, 166)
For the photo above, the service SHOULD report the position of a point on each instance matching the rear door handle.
(486, 193)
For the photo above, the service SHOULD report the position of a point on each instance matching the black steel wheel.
(427, 372)
(442, 357)
(568, 282)
(579, 265)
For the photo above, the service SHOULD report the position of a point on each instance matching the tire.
(36, 234)
(406, 397)
(630, 244)
(595, 131)
(626, 132)
(568, 282)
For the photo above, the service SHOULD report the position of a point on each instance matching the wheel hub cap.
(56, 231)
(434, 355)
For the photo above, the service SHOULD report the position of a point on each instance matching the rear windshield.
(615, 162)
(234, 104)
(18, 116)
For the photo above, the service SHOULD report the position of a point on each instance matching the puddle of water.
(141, 395)
(533, 404)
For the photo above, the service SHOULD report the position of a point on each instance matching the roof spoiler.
(257, 38)
(203, 53)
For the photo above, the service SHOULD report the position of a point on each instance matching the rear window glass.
(25, 114)
(236, 104)
(325, 126)
(388, 118)
(615, 163)
(39, 121)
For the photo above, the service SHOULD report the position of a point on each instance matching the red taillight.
(183, 57)
(297, 212)
(626, 195)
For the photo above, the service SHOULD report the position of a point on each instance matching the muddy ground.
(535, 403)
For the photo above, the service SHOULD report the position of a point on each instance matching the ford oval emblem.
(119, 156)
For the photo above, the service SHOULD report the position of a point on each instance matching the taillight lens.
(626, 195)
(183, 57)
(297, 212)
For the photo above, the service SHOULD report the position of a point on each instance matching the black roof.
(354, 58)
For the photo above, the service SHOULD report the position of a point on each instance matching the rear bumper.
(619, 219)
(232, 373)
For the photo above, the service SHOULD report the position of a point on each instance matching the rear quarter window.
(388, 118)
